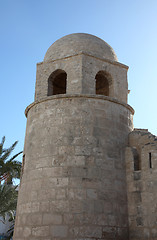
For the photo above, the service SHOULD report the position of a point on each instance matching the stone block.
(59, 231)
(109, 232)
(34, 219)
(76, 206)
(66, 150)
(46, 194)
(86, 232)
(18, 232)
(68, 218)
(42, 231)
(112, 220)
(75, 160)
(49, 218)
(92, 193)
(60, 193)
(59, 206)
(25, 208)
(77, 194)
(98, 206)
(26, 232)
(154, 233)
(101, 219)
(44, 206)
(83, 150)
(122, 233)
(88, 206)
(35, 207)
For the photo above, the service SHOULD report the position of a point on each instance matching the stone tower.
(73, 184)
(141, 169)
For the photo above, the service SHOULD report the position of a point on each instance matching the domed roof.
(77, 43)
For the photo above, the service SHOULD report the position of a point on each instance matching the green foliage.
(8, 200)
(9, 168)
(11, 230)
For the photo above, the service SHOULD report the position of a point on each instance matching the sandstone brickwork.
(142, 184)
(78, 179)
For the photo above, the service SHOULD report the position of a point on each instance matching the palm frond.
(11, 166)
(8, 199)
(15, 156)
(6, 152)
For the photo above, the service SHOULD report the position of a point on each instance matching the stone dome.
(80, 43)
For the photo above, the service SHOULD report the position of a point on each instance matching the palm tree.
(8, 200)
(9, 168)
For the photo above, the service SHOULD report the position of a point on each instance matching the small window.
(150, 160)
(103, 80)
(57, 83)
(137, 163)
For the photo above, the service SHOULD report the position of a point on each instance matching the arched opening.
(57, 83)
(103, 82)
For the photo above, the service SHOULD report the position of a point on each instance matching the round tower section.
(74, 184)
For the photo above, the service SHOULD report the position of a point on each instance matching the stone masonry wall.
(81, 71)
(142, 185)
(74, 183)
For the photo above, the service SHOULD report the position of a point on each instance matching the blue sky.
(29, 27)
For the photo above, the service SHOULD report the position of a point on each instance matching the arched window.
(57, 83)
(103, 82)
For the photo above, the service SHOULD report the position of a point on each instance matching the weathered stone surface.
(141, 156)
(42, 231)
(74, 178)
(49, 218)
(59, 231)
